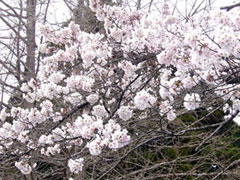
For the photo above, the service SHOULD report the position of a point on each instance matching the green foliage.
(170, 153)
(187, 118)
(181, 155)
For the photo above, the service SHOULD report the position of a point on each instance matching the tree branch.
(228, 8)
(68, 115)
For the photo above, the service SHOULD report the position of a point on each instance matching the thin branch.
(68, 115)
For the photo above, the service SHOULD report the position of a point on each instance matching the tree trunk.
(31, 44)
(84, 16)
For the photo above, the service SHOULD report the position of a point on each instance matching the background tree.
(19, 59)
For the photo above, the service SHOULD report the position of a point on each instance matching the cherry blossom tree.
(99, 94)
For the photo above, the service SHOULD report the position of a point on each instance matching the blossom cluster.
(75, 165)
(192, 101)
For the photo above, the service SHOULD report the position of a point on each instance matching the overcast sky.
(59, 12)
